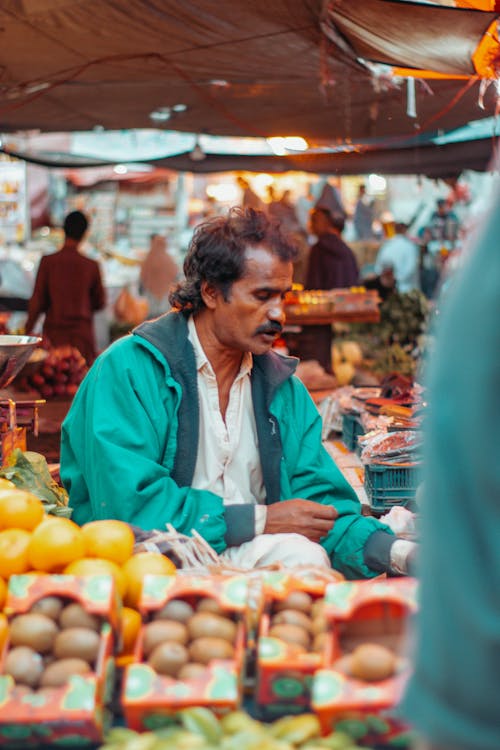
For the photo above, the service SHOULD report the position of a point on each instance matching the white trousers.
(266, 549)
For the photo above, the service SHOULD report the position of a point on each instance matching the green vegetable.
(29, 471)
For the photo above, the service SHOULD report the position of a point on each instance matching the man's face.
(253, 316)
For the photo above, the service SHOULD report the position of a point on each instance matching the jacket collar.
(169, 334)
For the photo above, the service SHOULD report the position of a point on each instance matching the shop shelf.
(351, 429)
(386, 486)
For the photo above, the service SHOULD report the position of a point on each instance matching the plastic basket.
(351, 429)
(386, 486)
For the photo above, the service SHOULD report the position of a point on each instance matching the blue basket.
(351, 429)
(386, 486)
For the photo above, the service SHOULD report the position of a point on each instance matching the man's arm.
(118, 449)
(39, 302)
(359, 546)
(98, 293)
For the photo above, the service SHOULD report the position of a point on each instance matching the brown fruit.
(75, 616)
(158, 631)
(372, 662)
(34, 630)
(292, 617)
(291, 634)
(214, 626)
(168, 657)
(204, 650)
(209, 604)
(50, 606)
(59, 672)
(175, 609)
(24, 665)
(81, 643)
(300, 600)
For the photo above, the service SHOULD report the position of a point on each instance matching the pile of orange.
(31, 541)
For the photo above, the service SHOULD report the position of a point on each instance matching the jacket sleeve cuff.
(377, 552)
(240, 523)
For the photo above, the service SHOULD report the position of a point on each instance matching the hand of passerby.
(312, 520)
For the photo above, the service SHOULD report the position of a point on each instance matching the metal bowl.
(14, 353)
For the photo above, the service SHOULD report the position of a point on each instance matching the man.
(192, 420)
(401, 254)
(158, 273)
(332, 264)
(443, 226)
(68, 289)
(452, 698)
(363, 215)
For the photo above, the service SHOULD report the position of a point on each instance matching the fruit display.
(190, 650)
(294, 642)
(56, 661)
(368, 670)
(59, 374)
(200, 729)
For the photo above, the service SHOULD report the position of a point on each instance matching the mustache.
(271, 328)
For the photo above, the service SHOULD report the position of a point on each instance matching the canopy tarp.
(240, 67)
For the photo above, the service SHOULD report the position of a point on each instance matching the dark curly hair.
(216, 254)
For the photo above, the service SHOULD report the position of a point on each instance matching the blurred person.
(332, 264)
(330, 198)
(249, 198)
(209, 429)
(452, 697)
(384, 284)
(158, 273)
(402, 255)
(364, 215)
(443, 225)
(69, 290)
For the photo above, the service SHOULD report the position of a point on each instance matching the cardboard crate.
(284, 675)
(148, 698)
(76, 712)
(365, 611)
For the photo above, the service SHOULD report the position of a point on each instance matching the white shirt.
(402, 254)
(228, 461)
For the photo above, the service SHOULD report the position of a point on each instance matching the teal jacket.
(130, 441)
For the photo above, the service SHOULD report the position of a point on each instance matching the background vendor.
(192, 420)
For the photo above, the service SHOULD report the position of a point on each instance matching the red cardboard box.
(284, 673)
(373, 611)
(77, 710)
(149, 698)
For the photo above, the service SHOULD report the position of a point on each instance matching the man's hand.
(305, 517)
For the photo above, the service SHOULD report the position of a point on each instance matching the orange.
(4, 630)
(14, 551)
(130, 624)
(54, 544)
(6, 484)
(3, 592)
(94, 566)
(111, 540)
(140, 565)
(20, 510)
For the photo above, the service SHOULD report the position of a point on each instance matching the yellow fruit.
(130, 624)
(14, 545)
(20, 510)
(54, 544)
(95, 566)
(111, 540)
(6, 484)
(3, 592)
(140, 565)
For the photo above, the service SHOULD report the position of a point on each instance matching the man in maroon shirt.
(68, 289)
